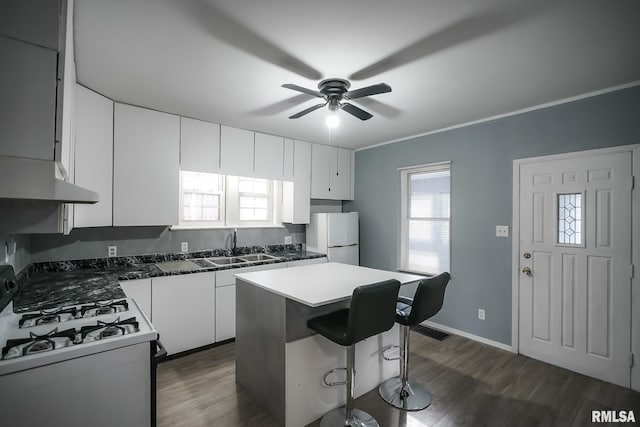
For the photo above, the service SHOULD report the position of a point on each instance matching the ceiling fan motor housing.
(334, 90)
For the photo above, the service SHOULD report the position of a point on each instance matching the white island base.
(308, 359)
(281, 362)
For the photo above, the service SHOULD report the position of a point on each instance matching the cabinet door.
(236, 151)
(27, 111)
(140, 290)
(184, 310)
(94, 156)
(269, 156)
(226, 298)
(145, 167)
(288, 159)
(340, 174)
(225, 313)
(296, 194)
(199, 146)
(307, 262)
(320, 170)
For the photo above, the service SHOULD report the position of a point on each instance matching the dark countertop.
(55, 284)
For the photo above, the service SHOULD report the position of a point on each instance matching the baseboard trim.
(464, 334)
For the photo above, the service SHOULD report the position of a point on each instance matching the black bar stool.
(427, 301)
(372, 311)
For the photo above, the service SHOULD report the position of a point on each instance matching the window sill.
(220, 227)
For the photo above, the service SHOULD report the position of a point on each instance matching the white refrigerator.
(335, 234)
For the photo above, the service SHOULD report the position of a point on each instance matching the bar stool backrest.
(428, 298)
(372, 310)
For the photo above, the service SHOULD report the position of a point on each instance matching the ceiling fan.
(334, 92)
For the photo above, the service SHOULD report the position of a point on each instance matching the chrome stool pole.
(399, 391)
(347, 415)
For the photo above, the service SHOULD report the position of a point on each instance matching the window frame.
(221, 205)
(404, 212)
(233, 195)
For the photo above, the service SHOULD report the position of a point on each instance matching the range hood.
(31, 179)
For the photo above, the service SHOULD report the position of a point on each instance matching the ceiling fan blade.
(303, 90)
(355, 111)
(367, 91)
(307, 111)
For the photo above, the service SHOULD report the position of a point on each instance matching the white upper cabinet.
(296, 194)
(28, 108)
(331, 173)
(146, 156)
(199, 146)
(236, 151)
(287, 173)
(269, 156)
(94, 156)
(320, 170)
(340, 174)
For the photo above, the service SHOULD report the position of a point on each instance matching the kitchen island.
(280, 361)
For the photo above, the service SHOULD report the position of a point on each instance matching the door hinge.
(631, 360)
(631, 271)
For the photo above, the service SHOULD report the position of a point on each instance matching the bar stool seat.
(371, 312)
(427, 301)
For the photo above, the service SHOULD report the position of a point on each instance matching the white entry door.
(575, 263)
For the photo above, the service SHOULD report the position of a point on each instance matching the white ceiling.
(448, 62)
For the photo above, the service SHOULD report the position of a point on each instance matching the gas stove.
(28, 340)
(77, 356)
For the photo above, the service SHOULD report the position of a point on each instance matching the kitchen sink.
(226, 260)
(258, 257)
(171, 266)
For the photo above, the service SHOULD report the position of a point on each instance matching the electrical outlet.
(502, 231)
(288, 240)
(184, 246)
(481, 314)
(113, 251)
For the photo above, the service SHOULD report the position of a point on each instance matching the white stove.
(85, 354)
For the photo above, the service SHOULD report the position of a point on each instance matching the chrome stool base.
(337, 418)
(414, 397)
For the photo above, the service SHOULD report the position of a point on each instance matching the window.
(218, 200)
(201, 198)
(425, 218)
(570, 224)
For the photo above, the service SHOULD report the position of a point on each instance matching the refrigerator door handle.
(344, 246)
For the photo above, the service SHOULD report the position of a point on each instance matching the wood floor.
(472, 385)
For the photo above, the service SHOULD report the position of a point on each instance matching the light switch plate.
(184, 246)
(481, 314)
(288, 240)
(502, 231)
(113, 251)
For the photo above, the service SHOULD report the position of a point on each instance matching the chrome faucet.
(235, 242)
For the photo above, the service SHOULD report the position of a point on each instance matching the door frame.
(635, 247)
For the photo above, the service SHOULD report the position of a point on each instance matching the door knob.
(527, 271)
(526, 255)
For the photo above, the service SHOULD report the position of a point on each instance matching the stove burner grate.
(45, 317)
(103, 330)
(100, 308)
(38, 343)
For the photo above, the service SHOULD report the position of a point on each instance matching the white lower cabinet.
(140, 290)
(226, 298)
(184, 310)
(225, 312)
(307, 262)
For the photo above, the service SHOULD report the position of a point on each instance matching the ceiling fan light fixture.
(333, 120)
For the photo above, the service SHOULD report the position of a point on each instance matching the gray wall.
(481, 195)
(93, 242)
(14, 250)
